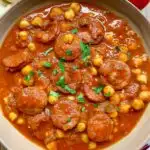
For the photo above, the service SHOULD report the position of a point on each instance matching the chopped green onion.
(61, 65)
(68, 52)
(67, 88)
(107, 94)
(53, 93)
(61, 82)
(55, 72)
(47, 64)
(95, 105)
(74, 31)
(83, 109)
(80, 98)
(69, 120)
(75, 68)
(47, 51)
(99, 89)
(85, 49)
(29, 76)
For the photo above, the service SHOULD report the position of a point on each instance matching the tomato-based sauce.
(72, 76)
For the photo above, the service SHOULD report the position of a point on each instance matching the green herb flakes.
(69, 120)
(67, 88)
(75, 68)
(83, 109)
(74, 31)
(47, 51)
(96, 105)
(80, 98)
(47, 64)
(85, 49)
(61, 65)
(40, 73)
(55, 72)
(107, 94)
(68, 52)
(53, 93)
(29, 76)
(99, 89)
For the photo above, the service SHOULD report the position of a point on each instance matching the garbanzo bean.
(93, 71)
(31, 47)
(23, 35)
(37, 21)
(84, 138)
(20, 121)
(56, 11)
(26, 70)
(69, 14)
(137, 104)
(59, 134)
(13, 116)
(137, 71)
(71, 98)
(113, 114)
(52, 145)
(76, 7)
(6, 99)
(52, 99)
(142, 78)
(92, 145)
(124, 108)
(109, 36)
(81, 127)
(108, 90)
(115, 99)
(145, 96)
(137, 61)
(68, 38)
(24, 24)
(123, 57)
(97, 61)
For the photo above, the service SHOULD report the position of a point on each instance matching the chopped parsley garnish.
(53, 93)
(61, 83)
(55, 72)
(47, 51)
(83, 109)
(69, 119)
(74, 31)
(75, 68)
(85, 49)
(95, 105)
(68, 52)
(40, 73)
(99, 89)
(29, 76)
(107, 94)
(80, 98)
(61, 65)
(47, 64)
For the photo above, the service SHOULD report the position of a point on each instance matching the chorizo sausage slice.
(99, 127)
(16, 61)
(68, 51)
(65, 114)
(115, 73)
(91, 95)
(32, 100)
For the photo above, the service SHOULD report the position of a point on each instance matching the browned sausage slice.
(31, 100)
(16, 61)
(115, 73)
(65, 114)
(100, 127)
(61, 47)
(91, 95)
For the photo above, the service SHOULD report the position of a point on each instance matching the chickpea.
(93, 71)
(59, 134)
(13, 116)
(113, 114)
(137, 104)
(115, 99)
(65, 27)
(52, 145)
(84, 138)
(26, 70)
(115, 42)
(23, 35)
(124, 108)
(108, 90)
(28, 83)
(123, 48)
(92, 145)
(68, 38)
(145, 95)
(137, 71)
(81, 127)
(20, 121)
(31, 47)
(137, 61)
(24, 24)
(142, 78)
(71, 98)
(109, 36)
(6, 100)
(37, 21)
(69, 14)
(56, 11)
(52, 99)
(132, 45)
(123, 57)
(98, 61)
(76, 7)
